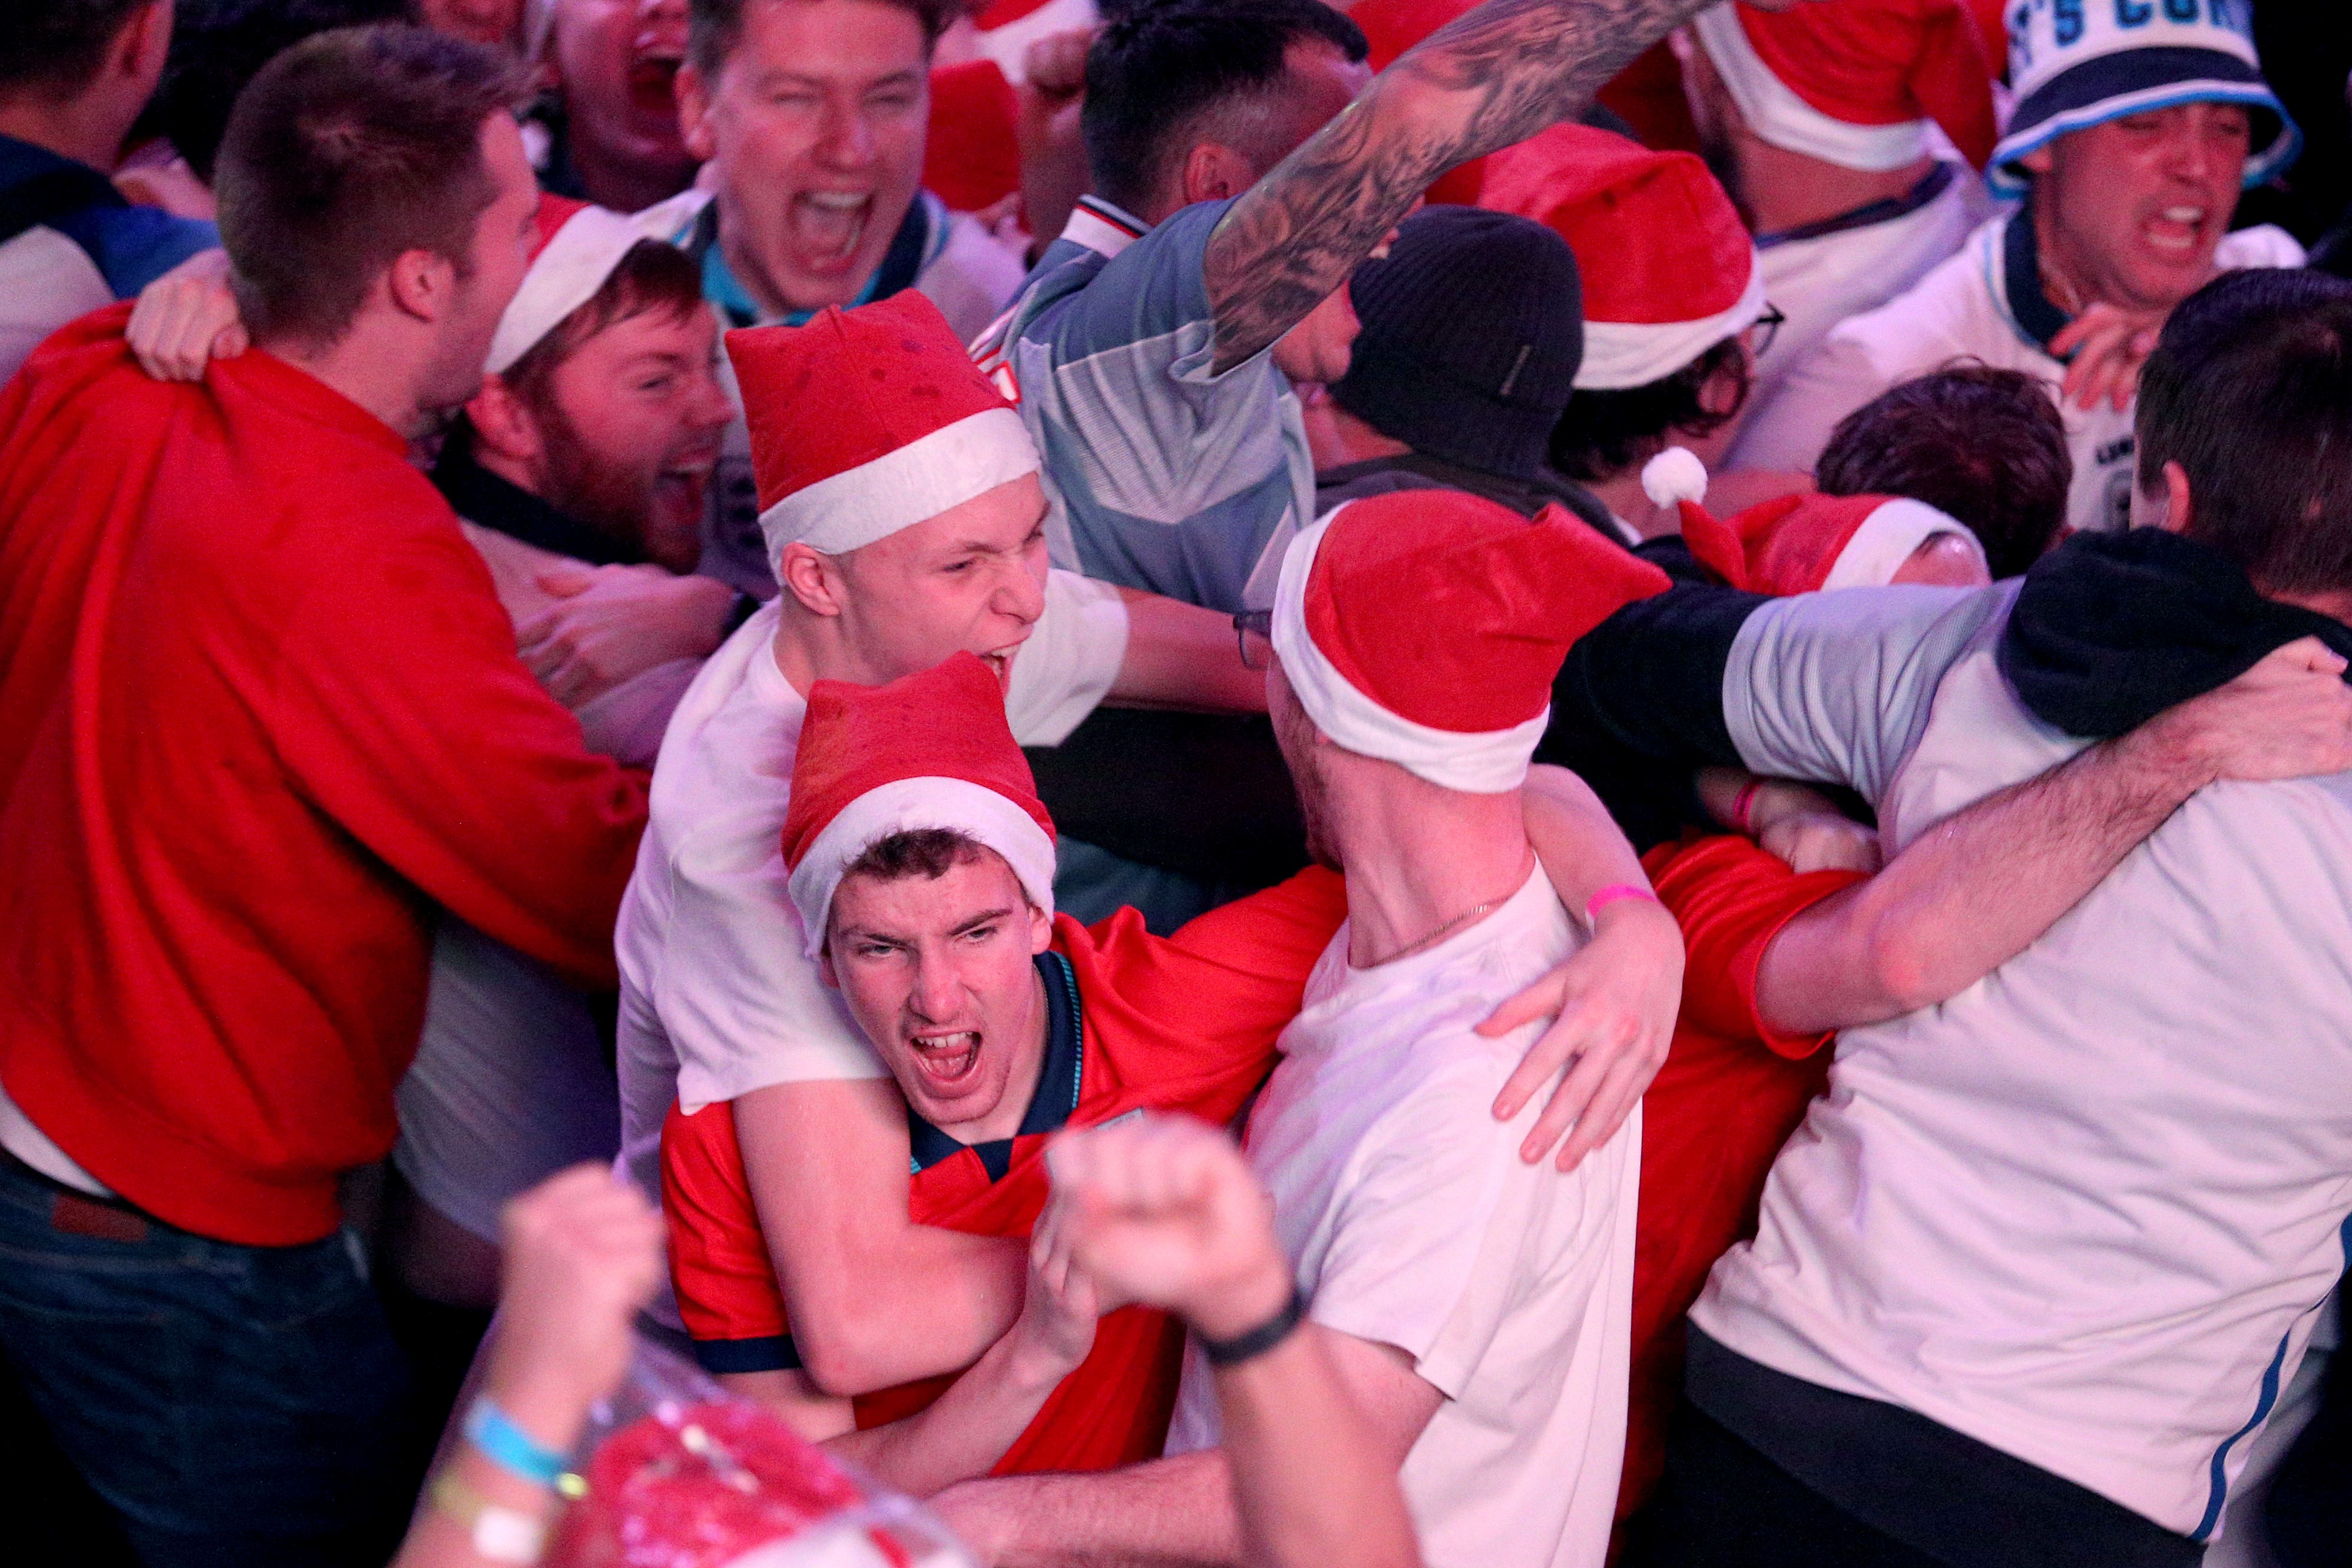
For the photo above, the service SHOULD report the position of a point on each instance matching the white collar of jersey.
(1102, 227)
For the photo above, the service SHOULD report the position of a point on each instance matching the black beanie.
(1473, 329)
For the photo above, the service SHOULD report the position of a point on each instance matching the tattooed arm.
(1488, 80)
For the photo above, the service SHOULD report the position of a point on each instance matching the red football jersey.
(1185, 1022)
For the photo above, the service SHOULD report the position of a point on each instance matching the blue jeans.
(233, 1404)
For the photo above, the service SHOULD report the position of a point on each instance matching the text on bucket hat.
(2073, 64)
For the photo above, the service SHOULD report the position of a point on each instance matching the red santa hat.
(1857, 83)
(867, 421)
(1425, 628)
(577, 247)
(1669, 269)
(930, 751)
(1799, 544)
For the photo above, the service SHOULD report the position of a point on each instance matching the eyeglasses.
(1255, 630)
(1766, 327)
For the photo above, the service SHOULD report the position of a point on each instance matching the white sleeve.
(1835, 687)
(742, 1004)
(1071, 660)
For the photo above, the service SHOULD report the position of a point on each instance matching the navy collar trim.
(489, 500)
(1059, 1083)
(1886, 209)
(2038, 320)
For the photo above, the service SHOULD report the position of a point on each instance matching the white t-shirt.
(2087, 1210)
(718, 994)
(1413, 1222)
(1961, 311)
(46, 280)
(1819, 282)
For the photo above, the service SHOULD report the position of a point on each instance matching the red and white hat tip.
(930, 751)
(869, 420)
(578, 246)
(1806, 543)
(1857, 83)
(1668, 267)
(1426, 628)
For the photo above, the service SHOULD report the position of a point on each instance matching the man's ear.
(420, 283)
(1214, 172)
(825, 965)
(1041, 929)
(139, 49)
(811, 579)
(2038, 161)
(694, 111)
(503, 423)
(2178, 509)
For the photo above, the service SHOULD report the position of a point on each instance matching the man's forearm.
(1580, 846)
(1181, 655)
(874, 1298)
(1168, 1514)
(963, 1432)
(1973, 891)
(1484, 81)
(1310, 1484)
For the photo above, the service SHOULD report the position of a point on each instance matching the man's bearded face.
(631, 423)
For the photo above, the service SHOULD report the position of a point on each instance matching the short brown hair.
(927, 852)
(347, 150)
(652, 278)
(1984, 445)
(1602, 433)
(715, 27)
(53, 48)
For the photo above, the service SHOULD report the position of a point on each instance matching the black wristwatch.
(1258, 1340)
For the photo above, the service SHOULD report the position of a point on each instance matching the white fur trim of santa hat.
(571, 267)
(1778, 116)
(952, 465)
(1621, 354)
(1885, 541)
(1492, 761)
(905, 805)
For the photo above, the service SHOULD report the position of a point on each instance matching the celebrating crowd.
(1552, 782)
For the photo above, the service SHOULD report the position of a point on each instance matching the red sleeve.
(407, 719)
(1732, 898)
(973, 158)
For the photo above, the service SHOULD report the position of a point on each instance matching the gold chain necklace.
(1458, 921)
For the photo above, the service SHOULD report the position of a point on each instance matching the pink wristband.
(1611, 894)
(1742, 803)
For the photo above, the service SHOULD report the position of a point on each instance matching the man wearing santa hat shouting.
(1823, 124)
(907, 524)
(1477, 1307)
(920, 865)
(2135, 127)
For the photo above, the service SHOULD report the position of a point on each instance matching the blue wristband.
(510, 1448)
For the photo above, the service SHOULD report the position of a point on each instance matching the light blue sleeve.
(1169, 476)
(1836, 688)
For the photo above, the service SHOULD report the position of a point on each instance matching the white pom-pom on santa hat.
(1674, 475)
